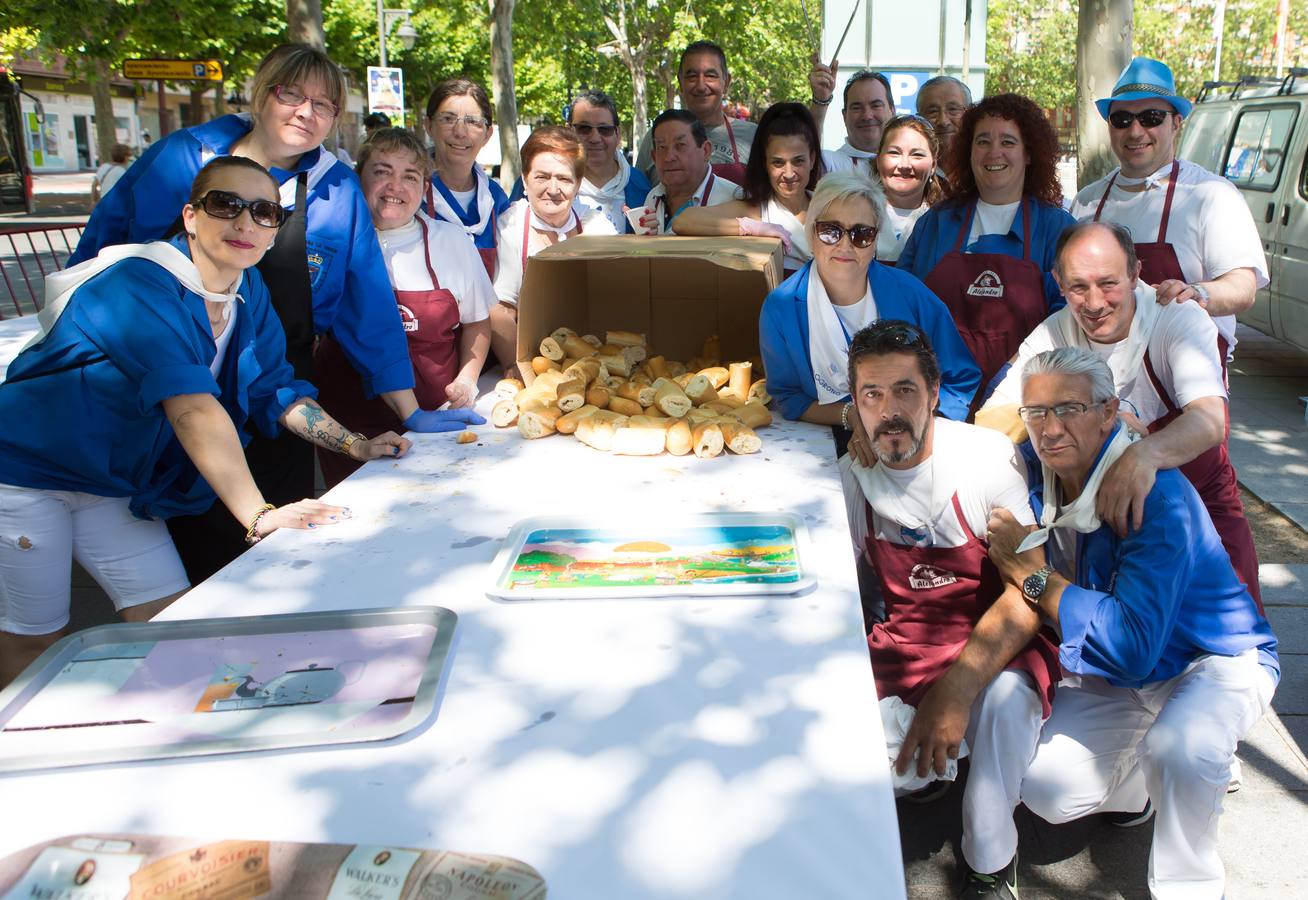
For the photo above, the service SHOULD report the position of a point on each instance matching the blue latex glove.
(434, 420)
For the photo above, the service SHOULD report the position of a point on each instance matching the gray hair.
(947, 79)
(838, 187)
(1074, 361)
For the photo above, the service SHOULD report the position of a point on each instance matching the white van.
(1255, 132)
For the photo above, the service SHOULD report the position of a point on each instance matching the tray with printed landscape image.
(709, 555)
(156, 690)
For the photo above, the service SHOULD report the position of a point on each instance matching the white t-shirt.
(1182, 348)
(464, 197)
(1210, 227)
(979, 464)
(458, 266)
(108, 174)
(720, 136)
(992, 218)
(720, 190)
(509, 227)
(849, 159)
(221, 342)
(896, 227)
(855, 315)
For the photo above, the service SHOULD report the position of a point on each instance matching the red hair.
(1038, 139)
(555, 139)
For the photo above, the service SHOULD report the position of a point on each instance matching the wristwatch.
(1202, 292)
(350, 440)
(1033, 586)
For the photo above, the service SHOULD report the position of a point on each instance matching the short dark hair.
(1119, 233)
(205, 177)
(594, 98)
(697, 129)
(377, 120)
(886, 336)
(460, 87)
(864, 75)
(779, 120)
(703, 47)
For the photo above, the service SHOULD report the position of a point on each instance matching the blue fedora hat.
(1145, 79)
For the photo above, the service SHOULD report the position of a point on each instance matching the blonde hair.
(295, 64)
(393, 140)
(838, 187)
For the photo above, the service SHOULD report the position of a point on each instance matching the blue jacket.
(783, 338)
(499, 203)
(1144, 606)
(352, 296)
(934, 235)
(84, 406)
(634, 194)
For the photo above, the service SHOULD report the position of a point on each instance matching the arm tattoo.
(320, 428)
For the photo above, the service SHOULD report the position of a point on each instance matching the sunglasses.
(830, 233)
(585, 130)
(1149, 118)
(226, 205)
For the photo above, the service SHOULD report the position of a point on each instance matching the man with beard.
(1168, 376)
(957, 644)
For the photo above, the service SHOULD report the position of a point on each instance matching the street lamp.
(405, 32)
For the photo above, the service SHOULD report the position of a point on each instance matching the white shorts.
(41, 532)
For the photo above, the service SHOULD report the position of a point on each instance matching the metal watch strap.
(1034, 585)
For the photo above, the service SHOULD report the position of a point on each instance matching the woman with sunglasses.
(785, 162)
(325, 271)
(553, 163)
(460, 123)
(906, 165)
(807, 322)
(133, 403)
(988, 251)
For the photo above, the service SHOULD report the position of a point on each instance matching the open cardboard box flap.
(675, 290)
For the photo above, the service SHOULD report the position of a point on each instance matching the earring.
(191, 235)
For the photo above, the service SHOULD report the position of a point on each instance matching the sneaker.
(1001, 885)
(1132, 819)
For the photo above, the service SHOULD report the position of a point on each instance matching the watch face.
(1034, 585)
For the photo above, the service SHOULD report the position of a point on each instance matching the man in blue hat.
(1193, 233)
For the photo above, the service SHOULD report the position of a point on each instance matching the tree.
(1031, 50)
(304, 21)
(506, 107)
(1103, 48)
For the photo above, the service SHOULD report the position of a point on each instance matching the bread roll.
(725, 403)
(658, 366)
(739, 438)
(587, 369)
(465, 437)
(700, 414)
(596, 430)
(616, 362)
(753, 414)
(718, 375)
(551, 349)
(504, 414)
(508, 387)
(639, 393)
(575, 346)
(670, 398)
(707, 440)
(739, 377)
(541, 364)
(538, 423)
(679, 438)
(567, 423)
(634, 440)
(592, 340)
(683, 379)
(625, 338)
(624, 406)
(700, 390)
(551, 379)
(662, 423)
(572, 394)
(561, 334)
(759, 391)
(597, 396)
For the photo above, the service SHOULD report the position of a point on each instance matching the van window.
(1204, 138)
(1257, 152)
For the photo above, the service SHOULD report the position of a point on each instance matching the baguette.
(753, 414)
(504, 414)
(759, 391)
(551, 379)
(597, 396)
(562, 333)
(661, 423)
(624, 338)
(552, 349)
(707, 439)
(738, 437)
(676, 369)
(718, 375)
(592, 340)
(567, 423)
(725, 403)
(699, 389)
(596, 430)
(541, 364)
(670, 398)
(616, 363)
(587, 369)
(625, 407)
(683, 379)
(538, 423)
(679, 438)
(658, 366)
(631, 439)
(739, 376)
(508, 387)
(572, 394)
(700, 414)
(575, 346)
(640, 393)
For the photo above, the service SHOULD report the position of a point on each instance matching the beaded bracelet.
(826, 102)
(844, 416)
(251, 535)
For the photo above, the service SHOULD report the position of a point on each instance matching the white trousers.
(1109, 749)
(1002, 733)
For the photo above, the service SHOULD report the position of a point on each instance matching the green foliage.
(1031, 50)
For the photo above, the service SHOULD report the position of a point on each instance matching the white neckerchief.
(887, 498)
(59, 286)
(1153, 180)
(828, 346)
(777, 214)
(1078, 515)
(1126, 364)
(539, 224)
(441, 209)
(615, 191)
(848, 149)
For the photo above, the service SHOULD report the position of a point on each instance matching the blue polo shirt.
(783, 338)
(84, 406)
(468, 216)
(352, 295)
(1145, 606)
(935, 233)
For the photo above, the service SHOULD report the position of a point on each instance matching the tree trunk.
(304, 21)
(639, 115)
(102, 102)
(506, 107)
(1103, 48)
(219, 100)
(195, 107)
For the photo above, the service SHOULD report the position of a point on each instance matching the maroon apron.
(431, 323)
(733, 171)
(487, 254)
(996, 300)
(934, 598)
(1213, 477)
(1158, 259)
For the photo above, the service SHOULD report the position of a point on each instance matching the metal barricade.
(26, 256)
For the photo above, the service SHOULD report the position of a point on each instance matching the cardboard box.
(675, 290)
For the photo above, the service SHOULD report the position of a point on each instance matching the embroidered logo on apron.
(924, 577)
(408, 318)
(987, 284)
(320, 260)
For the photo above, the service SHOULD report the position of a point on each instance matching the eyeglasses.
(226, 205)
(953, 110)
(1036, 415)
(830, 233)
(290, 97)
(585, 130)
(472, 123)
(1149, 118)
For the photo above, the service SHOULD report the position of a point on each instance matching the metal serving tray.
(156, 690)
(708, 555)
